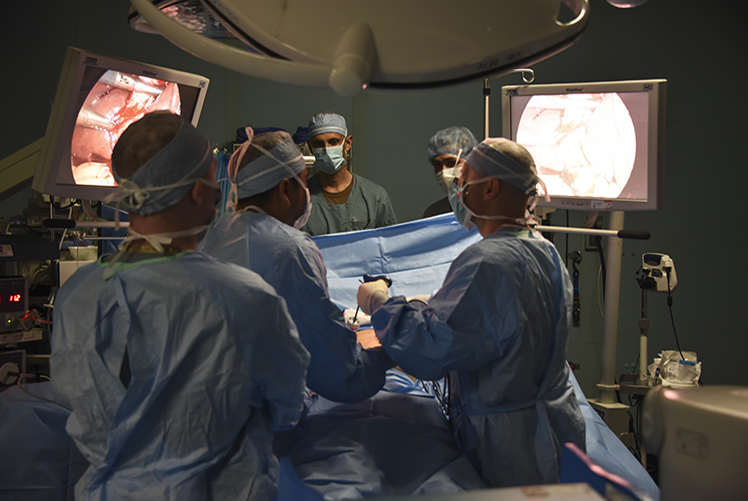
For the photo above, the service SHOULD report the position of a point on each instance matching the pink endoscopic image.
(115, 101)
(583, 144)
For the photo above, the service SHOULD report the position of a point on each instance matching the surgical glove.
(361, 318)
(372, 295)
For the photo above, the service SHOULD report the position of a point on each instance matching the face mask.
(465, 216)
(328, 160)
(445, 177)
(302, 219)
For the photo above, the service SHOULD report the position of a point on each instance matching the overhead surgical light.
(626, 4)
(349, 46)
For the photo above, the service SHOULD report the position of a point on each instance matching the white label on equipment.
(600, 204)
(20, 337)
(6, 250)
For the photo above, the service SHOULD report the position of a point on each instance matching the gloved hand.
(372, 295)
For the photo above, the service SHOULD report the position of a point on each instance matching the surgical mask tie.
(279, 164)
(304, 217)
(133, 197)
(328, 159)
(233, 170)
(155, 240)
(465, 215)
(157, 184)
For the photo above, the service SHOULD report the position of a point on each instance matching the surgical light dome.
(350, 46)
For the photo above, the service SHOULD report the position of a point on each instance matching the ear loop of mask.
(529, 218)
(231, 204)
(233, 169)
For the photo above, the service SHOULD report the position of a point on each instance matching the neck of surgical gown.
(499, 325)
(216, 367)
(290, 261)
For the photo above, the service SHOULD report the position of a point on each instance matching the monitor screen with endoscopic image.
(97, 98)
(596, 146)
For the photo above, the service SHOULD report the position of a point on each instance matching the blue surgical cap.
(327, 122)
(267, 171)
(449, 141)
(168, 176)
(493, 163)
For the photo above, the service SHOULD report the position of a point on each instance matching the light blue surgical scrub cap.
(168, 176)
(493, 163)
(327, 122)
(449, 141)
(264, 173)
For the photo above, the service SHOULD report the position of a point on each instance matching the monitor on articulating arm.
(97, 98)
(597, 146)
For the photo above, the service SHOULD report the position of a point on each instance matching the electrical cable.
(62, 238)
(43, 398)
(566, 252)
(670, 308)
(636, 364)
(20, 386)
(599, 303)
(602, 261)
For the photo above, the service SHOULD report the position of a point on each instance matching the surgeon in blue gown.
(271, 202)
(178, 368)
(498, 326)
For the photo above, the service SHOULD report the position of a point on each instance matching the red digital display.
(12, 294)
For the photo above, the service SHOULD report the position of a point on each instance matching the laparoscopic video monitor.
(97, 98)
(597, 146)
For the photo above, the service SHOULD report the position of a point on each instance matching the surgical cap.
(493, 163)
(168, 176)
(327, 122)
(449, 141)
(266, 172)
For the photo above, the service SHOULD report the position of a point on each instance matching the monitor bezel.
(656, 92)
(56, 147)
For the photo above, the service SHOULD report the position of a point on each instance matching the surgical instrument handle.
(374, 278)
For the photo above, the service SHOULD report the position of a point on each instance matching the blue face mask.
(328, 160)
(463, 214)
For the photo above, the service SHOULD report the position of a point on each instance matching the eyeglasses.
(447, 163)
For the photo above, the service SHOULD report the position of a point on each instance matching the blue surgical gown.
(216, 366)
(499, 326)
(290, 261)
(368, 207)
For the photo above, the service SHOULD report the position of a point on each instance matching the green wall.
(698, 47)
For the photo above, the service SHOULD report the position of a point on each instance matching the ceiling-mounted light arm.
(354, 59)
(238, 60)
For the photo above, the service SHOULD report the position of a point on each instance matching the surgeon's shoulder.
(214, 271)
(370, 186)
(288, 240)
(496, 252)
(87, 279)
